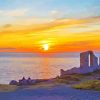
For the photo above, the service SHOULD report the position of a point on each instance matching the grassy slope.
(89, 85)
(90, 81)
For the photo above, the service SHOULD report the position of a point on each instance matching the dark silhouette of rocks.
(88, 63)
(23, 81)
(13, 82)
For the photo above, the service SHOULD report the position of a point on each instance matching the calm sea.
(17, 65)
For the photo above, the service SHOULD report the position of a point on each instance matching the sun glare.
(45, 47)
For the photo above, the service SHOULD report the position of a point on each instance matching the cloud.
(14, 12)
(32, 21)
(17, 12)
(55, 14)
(7, 48)
(42, 24)
(1, 12)
(37, 25)
(7, 26)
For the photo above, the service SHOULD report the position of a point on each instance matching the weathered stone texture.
(84, 59)
(88, 59)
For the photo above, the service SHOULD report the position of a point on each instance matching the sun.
(45, 47)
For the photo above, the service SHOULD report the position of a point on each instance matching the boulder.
(13, 82)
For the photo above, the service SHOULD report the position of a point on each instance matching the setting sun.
(45, 47)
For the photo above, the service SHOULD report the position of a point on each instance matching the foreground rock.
(23, 81)
(28, 81)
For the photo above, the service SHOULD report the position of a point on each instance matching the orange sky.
(61, 35)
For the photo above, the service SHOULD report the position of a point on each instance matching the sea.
(14, 66)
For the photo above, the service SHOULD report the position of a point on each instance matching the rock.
(13, 82)
(30, 81)
(23, 81)
(33, 82)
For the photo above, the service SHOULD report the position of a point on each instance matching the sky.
(49, 25)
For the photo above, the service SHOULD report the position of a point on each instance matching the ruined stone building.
(88, 63)
(88, 59)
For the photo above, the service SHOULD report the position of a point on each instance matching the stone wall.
(88, 59)
(84, 59)
(94, 61)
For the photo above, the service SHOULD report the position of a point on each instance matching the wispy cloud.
(14, 12)
(7, 48)
(55, 14)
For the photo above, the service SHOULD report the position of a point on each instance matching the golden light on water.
(45, 47)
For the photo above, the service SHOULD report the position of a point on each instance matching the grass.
(89, 85)
(69, 79)
(73, 77)
(7, 88)
(42, 85)
(61, 81)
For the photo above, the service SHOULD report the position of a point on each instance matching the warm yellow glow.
(60, 35)
(45, 47)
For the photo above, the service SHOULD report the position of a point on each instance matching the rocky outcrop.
(23, 81)
(88, 63)
(13, 82)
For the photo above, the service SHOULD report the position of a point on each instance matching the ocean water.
(17, 65)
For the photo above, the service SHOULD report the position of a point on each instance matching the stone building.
(88, 63)
(88, 59)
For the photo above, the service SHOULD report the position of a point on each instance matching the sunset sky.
(49, 25)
